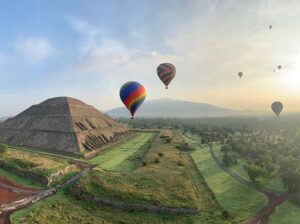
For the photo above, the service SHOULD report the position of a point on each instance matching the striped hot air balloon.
(166, 72)
(132, 95)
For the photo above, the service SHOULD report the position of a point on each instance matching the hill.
(180, 108)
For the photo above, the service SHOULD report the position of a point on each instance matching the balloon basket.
(132, 118)
(166, 87)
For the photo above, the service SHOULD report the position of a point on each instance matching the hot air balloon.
(270, 27)
(279, 67)
(166, 72)
(240, 74)
(132, 95)
(277, 107)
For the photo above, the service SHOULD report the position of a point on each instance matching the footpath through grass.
(239, 200)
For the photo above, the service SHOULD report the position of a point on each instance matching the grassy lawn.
(241, 202)
(287, 213)
(118, 158)
(272, 183)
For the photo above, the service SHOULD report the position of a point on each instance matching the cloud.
(100, 53)
(34, 49)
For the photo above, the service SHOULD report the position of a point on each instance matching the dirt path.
(9, 192)
(275, 198)
(35, 196)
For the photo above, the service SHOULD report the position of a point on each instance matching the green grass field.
(169, 182)
(241, 202)
(117, 158)
(287, 213)
(272, 183)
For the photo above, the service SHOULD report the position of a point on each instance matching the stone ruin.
(61, 124)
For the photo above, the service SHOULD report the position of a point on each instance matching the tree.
(254, 172)
(203, 141)
(291, 181)
(229, 158)
(226, 148)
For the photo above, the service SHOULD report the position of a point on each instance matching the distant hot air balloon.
(132, 95)
(270, 27)
(240, 74)
(279, 67)
(166, 72)
(277, 107)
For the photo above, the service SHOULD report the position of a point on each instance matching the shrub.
(144, 163)
(156, 160)
(180, 163)
(168, 140)
(160, 154)
(225, 214)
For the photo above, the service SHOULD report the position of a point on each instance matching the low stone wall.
(132, 206)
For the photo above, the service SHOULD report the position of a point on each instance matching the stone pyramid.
(61, 124)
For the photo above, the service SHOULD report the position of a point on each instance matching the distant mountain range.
(180, 108)
(4, 118)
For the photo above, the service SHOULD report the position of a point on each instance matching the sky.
(88, 49)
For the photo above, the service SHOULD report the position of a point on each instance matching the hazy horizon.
(88, 51)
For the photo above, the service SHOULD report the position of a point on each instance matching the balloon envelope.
(277, 107)
(279, 67)
(132, 95)
(240, 74)
(166, 73)
(270, 27)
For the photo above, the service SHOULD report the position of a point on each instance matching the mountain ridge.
(167, 107)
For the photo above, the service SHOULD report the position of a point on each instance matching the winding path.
(275, 198)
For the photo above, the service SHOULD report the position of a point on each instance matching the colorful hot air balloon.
(132, 95)
(166, 72)
(240, 74)
(277, 107)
